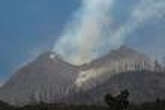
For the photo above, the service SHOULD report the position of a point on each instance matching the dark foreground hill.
(43, 106)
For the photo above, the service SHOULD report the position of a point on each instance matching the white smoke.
(87, 34)
(1, 84)
(83, 35)
(147, 9)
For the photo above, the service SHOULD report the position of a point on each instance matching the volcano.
(50, 79)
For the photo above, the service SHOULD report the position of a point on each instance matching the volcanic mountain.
(117, 61)
(49, 78)
(144, 86)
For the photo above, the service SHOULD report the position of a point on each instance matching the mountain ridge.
(144, 86)
(49, 78)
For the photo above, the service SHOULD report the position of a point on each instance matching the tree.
(158, 67)
(119, 102)
(110, 101)
(5, 106)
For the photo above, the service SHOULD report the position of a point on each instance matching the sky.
(30, 27)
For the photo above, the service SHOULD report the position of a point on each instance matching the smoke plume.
(91, 34)
(145, 10)
(83, 34)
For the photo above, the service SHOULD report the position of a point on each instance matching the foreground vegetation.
(119, 102)
(146, 106)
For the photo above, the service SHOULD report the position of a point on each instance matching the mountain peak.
(47, 78)
(123, 47)
(50, 78)
(49, 55)
(123, 59)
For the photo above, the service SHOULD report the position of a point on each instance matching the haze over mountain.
(50, 79)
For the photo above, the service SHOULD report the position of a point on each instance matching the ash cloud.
(90, 34)
(83, 34)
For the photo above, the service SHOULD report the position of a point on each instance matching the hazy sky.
(28, 27)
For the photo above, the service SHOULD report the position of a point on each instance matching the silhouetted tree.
(158, 101)
(123, 99)
(158, 67)
(119, 102)
(5, 106)
(111, 101)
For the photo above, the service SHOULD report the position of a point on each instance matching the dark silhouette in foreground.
(119, 102)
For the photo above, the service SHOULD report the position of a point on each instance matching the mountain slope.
(47, 78)
(50, 79)
(116, 61)
(142, 85)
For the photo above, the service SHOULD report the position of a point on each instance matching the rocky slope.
(50, 79)
(144, 86)
(116, 61)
